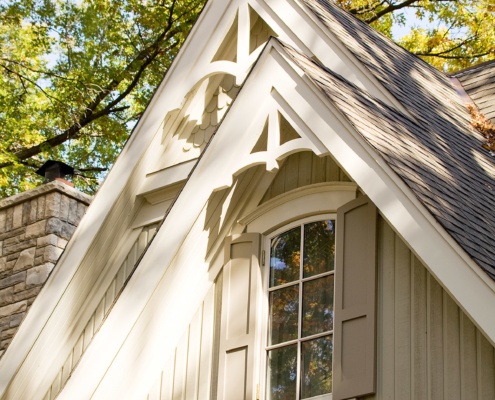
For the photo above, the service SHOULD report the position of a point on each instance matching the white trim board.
(320, 198)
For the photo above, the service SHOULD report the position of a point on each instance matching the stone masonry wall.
(34, 229)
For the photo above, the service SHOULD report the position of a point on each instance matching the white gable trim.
(161, 280)
(442, 256)
(305, 31)
(16, 371)
(166, 277)
(146, 291)
(191, 66)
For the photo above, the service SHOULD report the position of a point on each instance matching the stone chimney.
(34, 229)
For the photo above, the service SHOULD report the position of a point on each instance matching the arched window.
(300, 291)
(316, 334)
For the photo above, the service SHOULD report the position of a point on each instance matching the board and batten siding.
(427, 347)
(302, 169)
(102, 310)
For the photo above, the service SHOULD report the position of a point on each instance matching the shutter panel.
(240, 298)
(354, 371)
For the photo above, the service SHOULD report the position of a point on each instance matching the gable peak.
(247, 33)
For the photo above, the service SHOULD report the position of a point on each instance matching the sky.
(411, 21)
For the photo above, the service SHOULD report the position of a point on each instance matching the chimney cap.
(55, 169)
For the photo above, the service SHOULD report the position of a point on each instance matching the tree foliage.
(75, 75)
(449, 34)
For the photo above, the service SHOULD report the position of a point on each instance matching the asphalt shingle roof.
(435, 150)
(479, 83)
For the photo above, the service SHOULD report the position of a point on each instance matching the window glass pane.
(282, 373)
(319, 247)
(284, 310)
(285, 257)
(316, 368)
(317, 307)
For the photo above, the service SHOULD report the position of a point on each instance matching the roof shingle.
(435, 150)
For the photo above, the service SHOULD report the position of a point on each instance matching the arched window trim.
(264, 315)
(280, 213)
(307, 201)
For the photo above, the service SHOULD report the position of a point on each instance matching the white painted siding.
(101, 311)
(187, 374)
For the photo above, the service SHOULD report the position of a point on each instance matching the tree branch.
(389, 9)
(442, 54)
(456, 57)
(92, 169)
(136, 68)
(367, 7)
(23, 78)
(39, 71)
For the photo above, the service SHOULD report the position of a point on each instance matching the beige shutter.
(240, 298)
(355, 300)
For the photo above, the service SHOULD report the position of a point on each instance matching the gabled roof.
(413, 152)
(274, 81)
(436, 152)
(479, 83)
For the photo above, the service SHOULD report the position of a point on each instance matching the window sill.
(320, 397)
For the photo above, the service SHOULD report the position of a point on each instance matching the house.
(303, 211)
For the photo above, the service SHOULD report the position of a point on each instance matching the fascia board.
(302, 28)
(187, 65)
(460, 276)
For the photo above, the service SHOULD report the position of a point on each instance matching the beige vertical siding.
(427, 347)
(302, 169)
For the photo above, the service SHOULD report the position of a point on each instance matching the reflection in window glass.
(282, 373)
(300, 325)
(317, 306)
(285, 257)
(319, 247)
(316, 369)
(284, 310)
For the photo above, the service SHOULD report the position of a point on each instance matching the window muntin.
(300, 324)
